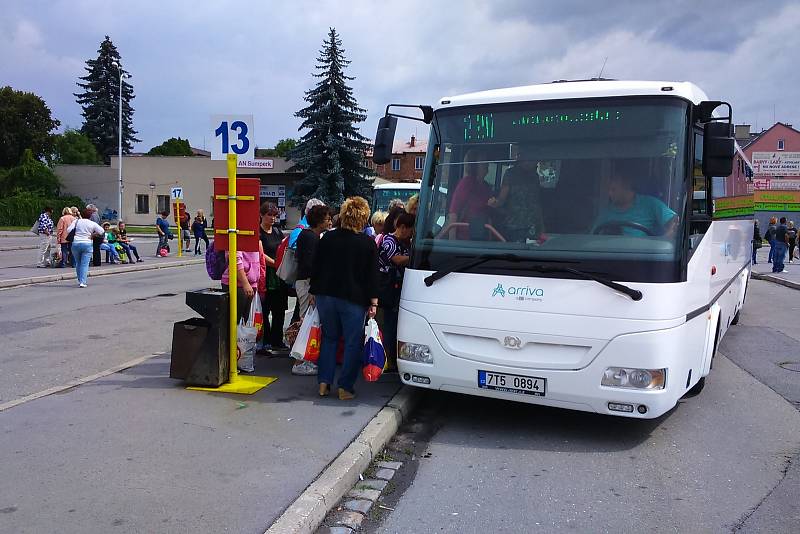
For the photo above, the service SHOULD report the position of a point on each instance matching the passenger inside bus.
(470, 198)
(518, 207)
(631, 213)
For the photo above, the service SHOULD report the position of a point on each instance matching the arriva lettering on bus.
(522, 291)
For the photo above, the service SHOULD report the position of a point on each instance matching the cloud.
(190, 60)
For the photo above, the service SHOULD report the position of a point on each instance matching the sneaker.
(279, 349)
(140, 260)
(784, 271)
(304, 368)
(81, 285)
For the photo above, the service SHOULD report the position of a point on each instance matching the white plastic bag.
(300, 346)
(246, 344)
(256, 317)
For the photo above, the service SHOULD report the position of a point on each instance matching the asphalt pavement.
(722, 461)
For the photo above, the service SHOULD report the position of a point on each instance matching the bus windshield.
(596, 184)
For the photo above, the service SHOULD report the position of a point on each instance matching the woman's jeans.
(163, 241)
(66, 255)
(771, 250)
(82, 254)
(111, 250)
(340, 319)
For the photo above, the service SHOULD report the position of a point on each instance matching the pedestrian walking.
(276, 300)
(44, 229)
(283, 218)
(82, 245)
(319, 220)
(199, 230)
(791, 236)
(769, 235)
(64, 222)
(781, 243)
(756, 241)
(344, 283)
(97, 240)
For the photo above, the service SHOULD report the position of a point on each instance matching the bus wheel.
(697, 388)
(735, 319)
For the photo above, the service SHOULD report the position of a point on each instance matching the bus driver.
(629, 213)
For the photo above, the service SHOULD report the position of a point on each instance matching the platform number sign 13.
(233, 134)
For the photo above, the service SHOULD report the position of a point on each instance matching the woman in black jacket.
(344, 283)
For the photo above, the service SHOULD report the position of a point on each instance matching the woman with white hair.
(61, 235)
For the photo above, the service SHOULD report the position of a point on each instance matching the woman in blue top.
(199, 230)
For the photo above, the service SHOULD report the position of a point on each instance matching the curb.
(308, 511)
(19, 247)
(775, 280)
(15, 282)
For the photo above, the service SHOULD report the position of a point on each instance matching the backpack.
(215, 263)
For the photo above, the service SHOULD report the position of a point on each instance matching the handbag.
(71, 235)
(35, 227)
(287, 270)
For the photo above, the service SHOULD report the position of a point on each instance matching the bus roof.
(577, 89)
(398, 185)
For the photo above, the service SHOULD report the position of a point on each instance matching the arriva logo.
(499, 291)
(518, 292)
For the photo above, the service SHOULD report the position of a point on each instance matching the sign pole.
(233, 284)
(180, 230)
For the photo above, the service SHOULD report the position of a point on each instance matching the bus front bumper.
(574, 389)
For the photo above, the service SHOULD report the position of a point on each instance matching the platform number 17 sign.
(233, 134)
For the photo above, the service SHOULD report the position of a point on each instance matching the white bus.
(566, 249)
(383, 194)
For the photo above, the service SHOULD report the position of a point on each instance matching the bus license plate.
(524, 385)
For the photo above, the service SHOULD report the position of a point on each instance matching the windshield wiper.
(634, 294)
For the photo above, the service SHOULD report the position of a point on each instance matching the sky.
(191, 59)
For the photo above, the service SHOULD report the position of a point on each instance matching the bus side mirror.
(384, 140)
(719, 147)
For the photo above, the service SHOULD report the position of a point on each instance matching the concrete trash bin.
(200, 354)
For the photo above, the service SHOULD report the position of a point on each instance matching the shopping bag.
(308, 337)
(256, 317)
(246, 346)
(374, 355)
(287, 270)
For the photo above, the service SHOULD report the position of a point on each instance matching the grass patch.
(14, 228)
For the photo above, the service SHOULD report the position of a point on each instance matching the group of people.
(782, 237)
(113, 240)
(188, 228)
(349, 267)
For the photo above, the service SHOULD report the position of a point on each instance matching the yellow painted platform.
(243, 384)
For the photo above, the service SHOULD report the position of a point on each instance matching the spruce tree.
(331, 153)
(100, 102)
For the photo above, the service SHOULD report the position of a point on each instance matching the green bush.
(23, 208)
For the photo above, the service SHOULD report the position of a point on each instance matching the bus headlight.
(624, 377)
(414, 352)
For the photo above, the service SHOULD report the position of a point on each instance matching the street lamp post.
(119, 135)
